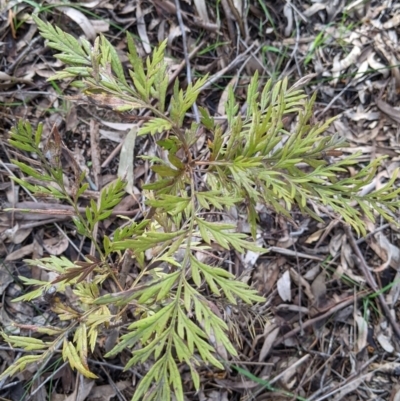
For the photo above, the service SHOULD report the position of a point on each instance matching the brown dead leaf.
(106, 392)
(20, 253)
(141, 27)
(56, 246)
(18, 235)
(113, 136)
(100, 26)
(271, 332)
(83, 389)
(119, 126)
(388, 110)
(388, 252)
(300, 281)
(318, 288)
(266, 274)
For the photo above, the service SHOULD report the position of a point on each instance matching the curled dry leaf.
(201, 8)
(266, 274)
(316, 7)
(385, 342)
(392, 368)
(388, 110)
(300, 281)
(251, 257)
(362, 115)
(83, 389)
(141, 27)
(378, 66)
(20, 253)
(20, 235)
(15, 234)
(343, 64)
(362, 331)
(388, 252)
(126, 160)
(56, 246)
(100, 26)
(288, 13)
(5, 77)
(271, 332)
(81, 19)
(175, 32)
(119, 126)
(312, 273)
(113, 136)
(283, 286)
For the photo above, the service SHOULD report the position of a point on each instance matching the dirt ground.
(330, 327)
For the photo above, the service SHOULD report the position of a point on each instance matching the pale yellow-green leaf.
(70, 353)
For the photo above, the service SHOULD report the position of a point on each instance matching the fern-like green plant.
(252, 160)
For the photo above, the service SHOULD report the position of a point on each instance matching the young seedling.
(174, 302)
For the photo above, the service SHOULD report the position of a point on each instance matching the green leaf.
(70, 353)
(115, 60)
(28, 343)
(154, 126)
(20, 145)
(62, 41)
(165, 171)
(170, 203)
(146, 241)
(31, 172)
(206, 119)
(223, 235)
(20, 365)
